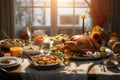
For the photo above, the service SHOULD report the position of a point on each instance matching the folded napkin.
(79, 67)
(74, 71)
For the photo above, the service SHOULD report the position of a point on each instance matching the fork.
(103, 66)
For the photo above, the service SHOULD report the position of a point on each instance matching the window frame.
(54, 28)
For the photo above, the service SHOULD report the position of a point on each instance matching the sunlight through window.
(52, 15)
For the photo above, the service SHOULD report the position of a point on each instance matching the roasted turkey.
(81, 43)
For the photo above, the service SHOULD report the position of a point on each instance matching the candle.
(83, 16)
(15, 51)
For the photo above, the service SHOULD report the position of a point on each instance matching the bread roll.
(116, 47)
(112, 41)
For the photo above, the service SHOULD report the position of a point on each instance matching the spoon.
(49, 52)
(30, 58)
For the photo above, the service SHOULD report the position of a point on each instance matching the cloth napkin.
(74, 71)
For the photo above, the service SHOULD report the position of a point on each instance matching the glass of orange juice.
(15, 51)
(66, 59)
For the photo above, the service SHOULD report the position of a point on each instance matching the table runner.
(77, 70)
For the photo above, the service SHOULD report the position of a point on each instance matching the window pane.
(23, 16)
(42, 17)
(42, 2)
(24, 2)
(81, 3)
(38, 12)
(65, 2)
(65, 31)
(65, 17)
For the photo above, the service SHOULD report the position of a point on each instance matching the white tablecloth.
(74, 71)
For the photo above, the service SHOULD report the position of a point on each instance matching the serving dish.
(7, 43)
(46, 62)
(31, 50)
(111, 63)
(8, 62)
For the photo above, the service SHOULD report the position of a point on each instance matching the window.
(56, 16)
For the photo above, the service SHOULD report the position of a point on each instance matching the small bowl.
(111, 63)
(31, 50)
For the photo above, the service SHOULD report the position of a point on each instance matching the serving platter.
(108, 51)
(88, 58)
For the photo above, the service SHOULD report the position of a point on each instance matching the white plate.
(14, 62)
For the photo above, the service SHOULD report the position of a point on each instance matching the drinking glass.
(66, 59)
(15, 51)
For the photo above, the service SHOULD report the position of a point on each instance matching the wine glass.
(28, 30)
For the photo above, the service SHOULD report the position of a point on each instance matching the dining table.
(85, 69)
(75, 70)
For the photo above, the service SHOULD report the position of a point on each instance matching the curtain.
(113, 21)
(110, 8)
(115, 16)
(6, 19)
